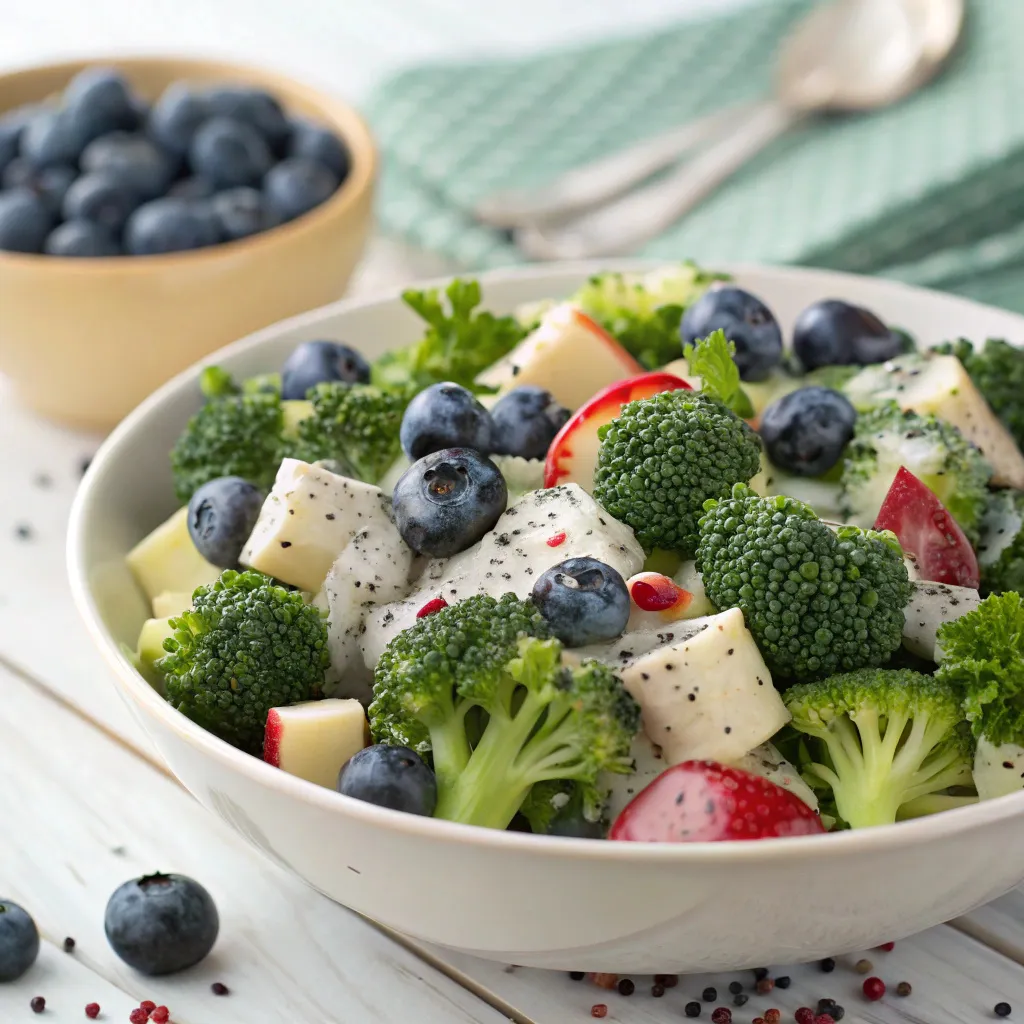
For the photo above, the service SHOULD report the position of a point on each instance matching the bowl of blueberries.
(153, 209)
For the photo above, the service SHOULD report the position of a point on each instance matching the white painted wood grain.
(82, 814)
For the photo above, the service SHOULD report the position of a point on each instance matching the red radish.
(572, 457)
(314, 739)
(708, 802)
(927, 531)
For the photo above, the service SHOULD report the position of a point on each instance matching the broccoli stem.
(450, 748)
(933, 803)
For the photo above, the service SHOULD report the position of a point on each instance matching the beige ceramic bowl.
(85, 340)
(538, 900)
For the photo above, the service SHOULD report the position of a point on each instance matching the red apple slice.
(572, 457)
(314, 739)
(927, 531)
(655, 599)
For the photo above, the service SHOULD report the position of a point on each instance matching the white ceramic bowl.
(540, 901)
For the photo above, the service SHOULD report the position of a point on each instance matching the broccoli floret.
(643, 311)
(1001, 543)
(232, 435)
(983, 658)
(664, 456)
(997, 369)
(456, 346)
(247, 645)
(480, 687)
(880, 738)
(354, 424)
(936, 453)
(817, 601)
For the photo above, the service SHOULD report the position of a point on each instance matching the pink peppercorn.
(603, 980)
(92, 1010)
(772, 1016)
(599, 1010)
(161, 1015)
(824, 1018)
(887, 947)
(874, 989)
(138, 1016)
(805, 1015)
(721, 1015)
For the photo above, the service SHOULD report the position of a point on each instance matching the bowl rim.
(851, 842)
(355, 133)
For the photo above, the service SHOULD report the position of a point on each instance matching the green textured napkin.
(929, 191)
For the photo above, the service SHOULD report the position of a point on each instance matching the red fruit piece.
(653, 592)
(433, 605)
(926, 530)
(572, 457)
(705, 802)
(556, 540)
(92, 1010)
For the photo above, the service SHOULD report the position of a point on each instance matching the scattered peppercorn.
(826, 1005)
(599, 1010)
(740, 999)
(760, 972)
(735, 987)
(903, 989)
(721, 1015)
(874, 989)
(1002, 1009)
(218, 988)
(709, 995)
(577, 975)
(148, 1005)
(38, 1004)
(43, 480)
(84, 463)
(668, 980)
(887, 947)
(161, 1015)
(824, 1018)
(138, 1016)
(838, 1013)
(863, 966)
(626, 987)
(783, 982)
(692, 1009)
(805, 1015)
(772, 1016)
(24, 532)
(764, 986)
(758, 1020)
(69, 945)
(92, 1010)
(828, 965)
(657, 991)
(603, 980)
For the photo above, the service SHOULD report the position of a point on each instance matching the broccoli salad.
(627, 565)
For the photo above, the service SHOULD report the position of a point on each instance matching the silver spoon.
(852, 55)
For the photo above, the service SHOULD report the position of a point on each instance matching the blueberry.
(448, 500)
(806, 431)
(221, 515)
(316, 362)
(24, 221)
(101, 200)
(229, 153)
(394, 777)
(52, 137)
(176, 117)
(570, 821)
(746, 321)
(19, 941)
(254, 107)
(160, 924)
(49, 183)
(836, 333)
(314, 142)
(445, 416)
(98, 100)
(81, 238)
(526, 421)
(241, 212)
(170, 225)
(132, 160)
(297, 185)
(192, 187)
(11, 127)
(585, 601)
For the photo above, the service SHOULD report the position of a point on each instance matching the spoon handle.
(627, 223)
(590, 185)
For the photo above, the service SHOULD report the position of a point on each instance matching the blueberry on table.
(81, 238)
(230, 153)
(747, 322)
(836, 333)
(132, 160)
(101, 200)
(176, 117)
(241, 212)
(297, 185)
(99, 100)
(448, 500)
(254, 107)
(584, 601)
(394, 777)
(192, 187)
(160, 924)
(25, 221)
(526, 421)
(170, 225)
(807, 431)
(52, 137)
(314, 142)
(19, 941)
(445, 415)
(221, 515)
(319, 362)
